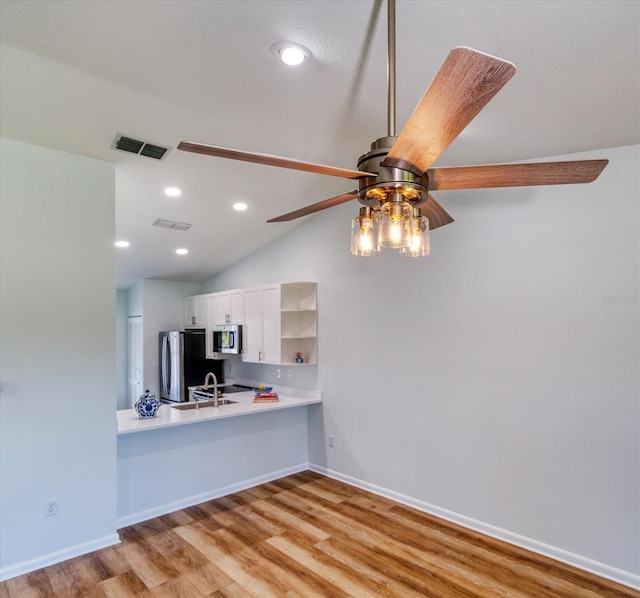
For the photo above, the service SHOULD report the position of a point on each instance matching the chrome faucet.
(215, 387)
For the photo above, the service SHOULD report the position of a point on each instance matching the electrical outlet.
(289, 374)
(331, 441)
(50, 507)
(278, 373)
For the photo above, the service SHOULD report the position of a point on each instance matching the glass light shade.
(364, 234)
(395, 225)
(420, 239)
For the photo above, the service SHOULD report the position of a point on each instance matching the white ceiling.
(75, 73)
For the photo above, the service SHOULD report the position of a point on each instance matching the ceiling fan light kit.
(395, 176)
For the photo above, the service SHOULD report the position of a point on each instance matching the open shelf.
(298, 322)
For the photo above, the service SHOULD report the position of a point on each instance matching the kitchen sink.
(201, 404)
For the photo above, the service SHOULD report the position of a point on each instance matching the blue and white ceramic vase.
(147, 405)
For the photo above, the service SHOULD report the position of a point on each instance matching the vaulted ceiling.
(76, 73)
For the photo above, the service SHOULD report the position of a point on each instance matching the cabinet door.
(271, 324)
(201, 310)
(218, 308)
(211, 321)
(252, 328)
(189, 311)
(236, 307)
(195, 311)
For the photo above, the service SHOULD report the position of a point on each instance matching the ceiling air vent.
(172, 224)
(142, 148)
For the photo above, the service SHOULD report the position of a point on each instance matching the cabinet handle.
(193, 319)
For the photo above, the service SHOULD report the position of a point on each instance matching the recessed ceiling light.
(290, 53)
(182, 251)
(240, 206)
(172, 191)
(122, 243)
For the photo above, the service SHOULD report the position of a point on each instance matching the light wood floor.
(304, 536)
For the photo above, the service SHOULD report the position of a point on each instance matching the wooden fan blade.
(466, 82)
(435, 213)
(515, 175)
(316, 207)
(268, 160)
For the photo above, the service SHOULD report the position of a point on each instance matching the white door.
(134, 358)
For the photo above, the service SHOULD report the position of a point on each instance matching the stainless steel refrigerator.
(183, 363)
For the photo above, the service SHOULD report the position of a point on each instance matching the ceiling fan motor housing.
(391, 182)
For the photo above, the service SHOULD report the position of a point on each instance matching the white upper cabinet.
(279, 321)
(195, 311)
(261, 327)
(281, 324)
(236, 306)
(252, 327)
(271, 324)
(226, 307)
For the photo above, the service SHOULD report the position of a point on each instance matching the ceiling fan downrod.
(390, 182)
(391, 68)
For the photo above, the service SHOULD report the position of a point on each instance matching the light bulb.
(292, 56)
(365, 242)
(290, 53)
(395, 230)
(395, 225)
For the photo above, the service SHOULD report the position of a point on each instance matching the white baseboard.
(57, 557)
(623, 577)
(190, 501)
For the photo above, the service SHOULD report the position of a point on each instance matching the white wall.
(122, 311)
(491, 379)
(136, 301)
(162, 310)
(57, 405)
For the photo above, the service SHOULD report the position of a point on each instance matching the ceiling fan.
(395, 176)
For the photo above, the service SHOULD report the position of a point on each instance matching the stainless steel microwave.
(227, 339)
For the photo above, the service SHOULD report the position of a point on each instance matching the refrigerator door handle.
(165, 388)
(169, 363)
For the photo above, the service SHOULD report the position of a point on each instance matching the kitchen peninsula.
(168, 416)
(182, 458)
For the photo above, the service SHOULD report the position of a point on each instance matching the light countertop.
(129, 422)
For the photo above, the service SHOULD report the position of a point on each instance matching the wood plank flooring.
(307, 536)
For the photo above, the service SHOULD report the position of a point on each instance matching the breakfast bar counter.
(129, 422)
